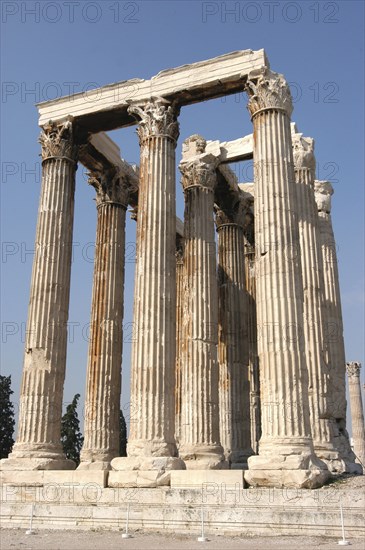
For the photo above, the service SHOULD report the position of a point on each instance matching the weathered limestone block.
(103, 384)
(200, 446)
(57, 479)
(38, 442)
(320, 405)
(357, 413)
(207, 480)
(279, 295)
(143, 472)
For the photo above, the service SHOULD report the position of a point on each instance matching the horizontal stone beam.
(233, 151)
(102, 153)
(106, 108)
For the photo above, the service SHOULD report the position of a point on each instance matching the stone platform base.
(196, 479)
(44, 478)
(228, 509)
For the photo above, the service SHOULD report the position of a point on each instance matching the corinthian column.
(333, 326)
(153, 353)
(103, 379)
(253, 364)
(234, 392)
(313, 284)
(179, 322)
(357, 413)
(286, 448)
(200, 447)
(38, 443)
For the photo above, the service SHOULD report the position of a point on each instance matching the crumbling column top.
(353, 368)
(303, 151)
(323, 191)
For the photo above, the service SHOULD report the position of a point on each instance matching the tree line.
(71, 436)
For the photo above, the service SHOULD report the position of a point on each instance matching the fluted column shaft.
(179, 340)
(333, 321)
(234, 392)
(313, 284)
(286, 442)
(39, 428)
(199, 444)
(357, 412)
(153, 353)
(254, 377)
(333, 325)
(312, 273)
(103, 379)
(284, 380)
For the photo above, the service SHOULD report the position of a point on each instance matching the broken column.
(234, 393)
(313, 284)
(286, 448)
(151, 442)
(103, 379)
(200, 446)
(38, 444)
(357, 413)
(333, 326)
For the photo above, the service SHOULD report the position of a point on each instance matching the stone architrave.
(200, 446)
(179, 323)
(38, 444)
(152, 423)
(286, 448)
(103, 380)
(313, 285)
(333, 326)
(357, 412)
(234, 392)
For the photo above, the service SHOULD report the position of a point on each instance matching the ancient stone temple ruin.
(233, 376)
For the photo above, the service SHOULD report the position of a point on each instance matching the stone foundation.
(228, 509)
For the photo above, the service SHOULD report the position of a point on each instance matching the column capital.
(353, 369)
(199, 172)
(156, 118)
(268, 90)
(323, 191)
(303, 153)
(236, 214)
(110, 187)
(58, 141)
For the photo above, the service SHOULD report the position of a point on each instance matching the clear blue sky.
(50, 48)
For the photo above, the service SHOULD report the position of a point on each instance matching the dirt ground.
(16, 539)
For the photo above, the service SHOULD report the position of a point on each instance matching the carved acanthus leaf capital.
(353, 368)
(323, 191)
(58, 141)
(268, 90)
(110, 187)
(303, 152)
(156, 118)
(199, 172)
